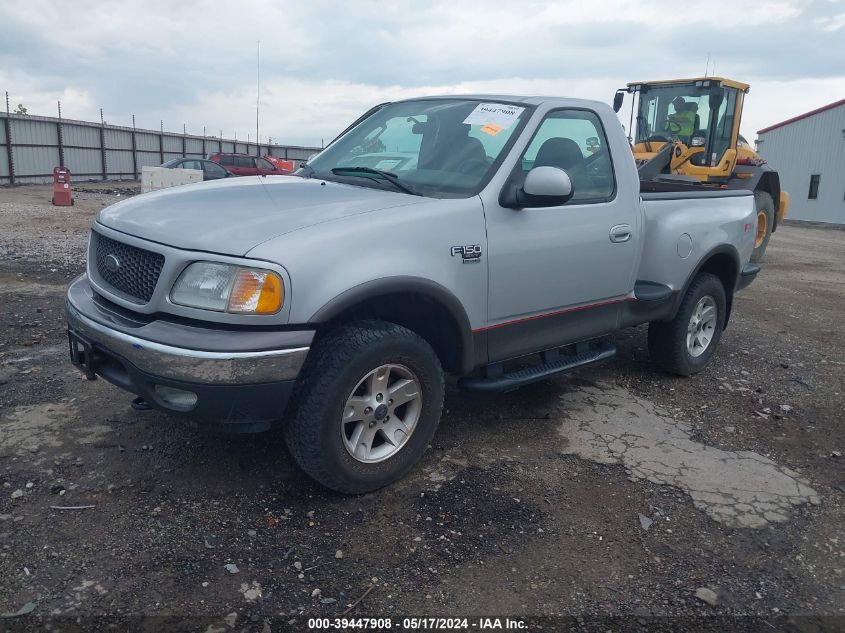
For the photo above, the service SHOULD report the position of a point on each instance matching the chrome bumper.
(188, 365)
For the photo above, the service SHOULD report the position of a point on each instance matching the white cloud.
(76, 103)
(323, 62)
(831, 23)
(771, 102)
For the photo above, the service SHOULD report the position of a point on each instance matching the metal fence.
(31, 146)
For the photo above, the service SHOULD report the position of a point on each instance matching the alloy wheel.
(702, 326)
(381, 413)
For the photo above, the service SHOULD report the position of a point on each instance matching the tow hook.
(139, 404)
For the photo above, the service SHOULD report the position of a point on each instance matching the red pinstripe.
(556, 313)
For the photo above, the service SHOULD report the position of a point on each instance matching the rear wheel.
(685, 344)
(369, 403)
(765, 223)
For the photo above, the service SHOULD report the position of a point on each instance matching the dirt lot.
(616, 491)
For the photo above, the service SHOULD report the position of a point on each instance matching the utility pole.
(103, 146)
(10, 155)
(257, 97)
(134, 150)
(59, 136)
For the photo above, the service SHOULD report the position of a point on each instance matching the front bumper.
(241, 376)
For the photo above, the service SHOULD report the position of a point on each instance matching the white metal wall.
(97, 152)
(815, 145)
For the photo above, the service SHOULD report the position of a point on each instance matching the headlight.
(228, 288)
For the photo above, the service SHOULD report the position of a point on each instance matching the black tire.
(335, 365)
(765, 209)
(667, 340)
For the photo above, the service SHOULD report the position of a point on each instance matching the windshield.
(441, 148)
(682, 112)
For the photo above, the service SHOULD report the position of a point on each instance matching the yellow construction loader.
(687, 131)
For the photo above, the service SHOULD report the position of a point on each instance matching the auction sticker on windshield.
(495, 117)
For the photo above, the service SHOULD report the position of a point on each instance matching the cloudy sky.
(323, 63)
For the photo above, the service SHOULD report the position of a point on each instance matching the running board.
(561, 365)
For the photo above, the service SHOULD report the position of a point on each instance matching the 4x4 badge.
(470, 253)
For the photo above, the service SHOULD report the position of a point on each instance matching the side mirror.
(618, 98)
(543, 187)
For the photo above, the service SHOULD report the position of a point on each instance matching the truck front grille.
(129, 269)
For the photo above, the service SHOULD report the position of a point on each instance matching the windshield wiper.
(372, 171)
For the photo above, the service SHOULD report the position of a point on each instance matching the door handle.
(620, 233)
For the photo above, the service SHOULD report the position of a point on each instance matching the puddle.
(32, 428)
(11, 284)
(610, 425)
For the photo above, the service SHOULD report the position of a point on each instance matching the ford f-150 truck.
(496, 239)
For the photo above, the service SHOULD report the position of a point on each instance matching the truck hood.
(234, 215)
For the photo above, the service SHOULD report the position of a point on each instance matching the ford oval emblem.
(111, 263)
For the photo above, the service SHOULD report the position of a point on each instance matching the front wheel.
(368, 405)
(685, 344)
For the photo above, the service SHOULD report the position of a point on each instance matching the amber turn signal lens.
(256, 292)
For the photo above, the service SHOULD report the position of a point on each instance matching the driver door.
(560, 274)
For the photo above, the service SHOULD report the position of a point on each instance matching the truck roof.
(525, 99)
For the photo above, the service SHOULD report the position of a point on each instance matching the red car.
(246, 165)
(281, 163)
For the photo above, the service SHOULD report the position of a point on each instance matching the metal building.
(809, 152)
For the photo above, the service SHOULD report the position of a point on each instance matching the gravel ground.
(618, 492)
(35, 234)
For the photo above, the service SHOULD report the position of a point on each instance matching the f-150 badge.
(470, 253)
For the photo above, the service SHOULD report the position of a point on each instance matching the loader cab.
(701, 116)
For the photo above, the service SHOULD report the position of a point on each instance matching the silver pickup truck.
(497, 239)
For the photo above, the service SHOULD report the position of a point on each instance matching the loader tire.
(765, 223)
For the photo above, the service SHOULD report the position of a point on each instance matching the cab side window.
(724, 125)
(574, 140)
(262, 164)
